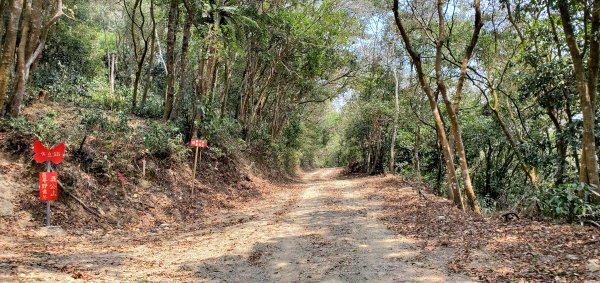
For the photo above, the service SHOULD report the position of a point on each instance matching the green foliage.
(44, 129)
(568, 201)
(224, 135)
(93, 121)
(68, 64)
(164, 141)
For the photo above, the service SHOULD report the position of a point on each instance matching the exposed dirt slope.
(91, 195)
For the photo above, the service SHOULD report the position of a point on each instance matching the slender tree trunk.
(448, 156)
(8, 48)
(139, 58)
(417, 162)
(275, 117)
(21, 76)
(586, 88)
(171, 30)
(185, 43)
(395, 131)
(439, 166)
(263, 95)
(529, 169)
(149, 77)
(455, 127)
(561, 149)
(112, 62)
(199, 92)
(488, 168)
(215, 79)
(136, 80)
(31, 45)
(225, 92)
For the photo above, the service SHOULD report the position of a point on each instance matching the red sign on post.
(199, 143)
(54, 155)
(48, 186)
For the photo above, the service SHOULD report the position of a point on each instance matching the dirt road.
(326, 232)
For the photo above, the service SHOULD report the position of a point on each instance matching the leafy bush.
(225, 134)
(45, 129)
(164, 141)
(94, 120)
(570, 201)
(153, 107)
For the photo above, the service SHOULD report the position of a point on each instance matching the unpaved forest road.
(328, 232)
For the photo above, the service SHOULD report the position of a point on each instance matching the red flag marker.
(43, 154)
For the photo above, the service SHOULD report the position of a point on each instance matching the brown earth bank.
(91, 195)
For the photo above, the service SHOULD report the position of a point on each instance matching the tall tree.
(148, 80)
(31, 45)
(140, 49)
(396, 115)
(8, 48)
(454, 189)
(170, 62)
(183, 64)
(453, 109)
(587, 83)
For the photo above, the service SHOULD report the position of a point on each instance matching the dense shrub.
(568, 201)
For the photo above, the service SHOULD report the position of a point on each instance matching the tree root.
(592, 223)
(87, 208)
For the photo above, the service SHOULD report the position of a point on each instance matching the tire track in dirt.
(331, 234)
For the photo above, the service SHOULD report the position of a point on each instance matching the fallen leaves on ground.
(491, 248)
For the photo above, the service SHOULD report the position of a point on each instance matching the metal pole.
(194, 173)
(48, 213)
(48, 168)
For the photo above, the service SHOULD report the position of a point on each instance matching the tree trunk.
(139, 58)
(561, 149)
(8, 48)
(31, 45)
(416, 161)
(21, 76)
(149, 77)
(488, 169)
(112, 69)
(586, 88)
(171, 30)
(455, 127)
(185, 43)
(395, 131)
(455, 194)
(529, 169)
(225, 92)
(196, 114)
(214, 79)
(275, 118)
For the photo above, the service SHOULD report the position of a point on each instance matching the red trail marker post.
(197, 143)
(48, 182)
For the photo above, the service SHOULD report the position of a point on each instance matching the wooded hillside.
(491, 103)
